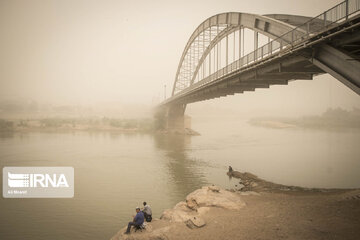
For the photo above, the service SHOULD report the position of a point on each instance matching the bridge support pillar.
(176, 120)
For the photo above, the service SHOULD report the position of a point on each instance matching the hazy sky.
(84, 52)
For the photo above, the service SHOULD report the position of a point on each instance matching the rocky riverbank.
(257, 209)
(251, 182)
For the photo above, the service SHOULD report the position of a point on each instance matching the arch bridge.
(235, 52)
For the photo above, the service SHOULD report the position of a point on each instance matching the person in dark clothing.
(137, 222)
(147, 212)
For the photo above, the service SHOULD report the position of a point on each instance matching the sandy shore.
(260, 210)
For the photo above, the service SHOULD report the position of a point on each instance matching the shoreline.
(251, 182)
(257, 210)
(186, 132)
(142, 126)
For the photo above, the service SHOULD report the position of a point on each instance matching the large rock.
(180, 213)
(195, 222)
(207, 197)
(203, 210)
(198, 203)
(190, 212)
(148, 234)
(214, 188)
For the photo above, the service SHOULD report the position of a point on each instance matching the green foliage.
(142, 125)
(6, 126)
(51, 122)
(333, 118)
(22, 123)
(118, 123)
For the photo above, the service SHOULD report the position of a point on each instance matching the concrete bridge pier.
(175, 119)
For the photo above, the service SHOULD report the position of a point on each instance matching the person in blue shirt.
(137, 222)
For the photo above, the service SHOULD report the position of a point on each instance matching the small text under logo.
(34, 182)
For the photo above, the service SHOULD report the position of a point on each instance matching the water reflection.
(7, 134)
(185, 171)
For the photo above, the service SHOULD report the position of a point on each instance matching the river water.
(115, 172)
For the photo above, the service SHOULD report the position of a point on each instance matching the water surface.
(114, 173)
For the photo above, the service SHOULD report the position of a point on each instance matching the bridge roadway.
(301, 48)
(335, 49)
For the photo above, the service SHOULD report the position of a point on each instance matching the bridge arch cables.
(225, 39)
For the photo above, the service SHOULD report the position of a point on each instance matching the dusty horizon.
(94, 54)
(86, 136)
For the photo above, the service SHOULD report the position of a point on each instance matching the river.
(116, 172)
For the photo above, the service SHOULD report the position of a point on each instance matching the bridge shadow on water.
(186, 173)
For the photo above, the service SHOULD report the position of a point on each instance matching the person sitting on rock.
(230, 169)
(147, 212)
(137, 222)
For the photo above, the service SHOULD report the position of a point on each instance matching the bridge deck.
(303, 59)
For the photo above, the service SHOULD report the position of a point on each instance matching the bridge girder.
(316, 46)
(229, 22)
(328, 43)
(339, 64)
(299, 21)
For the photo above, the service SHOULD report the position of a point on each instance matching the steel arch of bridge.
(214, 29)
(327, 43)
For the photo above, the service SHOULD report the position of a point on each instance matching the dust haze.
(79, 83)
(113, 58)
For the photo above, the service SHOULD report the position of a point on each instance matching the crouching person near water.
(147, 212)
(137, 222)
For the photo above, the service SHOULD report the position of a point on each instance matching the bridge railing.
(335, 15)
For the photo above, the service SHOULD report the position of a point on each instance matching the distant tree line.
(6, 126)
(145, 125)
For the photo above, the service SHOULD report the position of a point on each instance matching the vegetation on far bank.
(331, 119)
(54, 123)
(6, 125)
